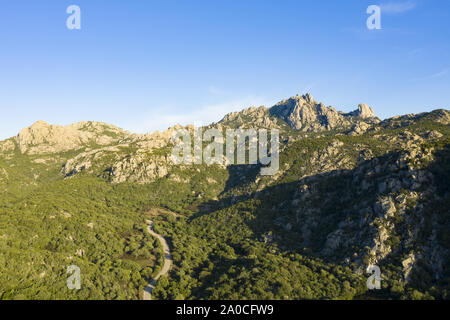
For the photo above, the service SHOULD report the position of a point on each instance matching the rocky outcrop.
(251, 117)
(301, 112)
(377, 210)
(305, 114)
(363, 112)
(42, 137)
(138, 159)
(86, 161)
(359, 128)
(139, 169)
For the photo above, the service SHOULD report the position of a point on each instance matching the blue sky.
(145, 65)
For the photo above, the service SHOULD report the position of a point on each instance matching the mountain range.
(352, 191)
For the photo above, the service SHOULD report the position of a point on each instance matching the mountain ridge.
(300, 112)
(351, 191)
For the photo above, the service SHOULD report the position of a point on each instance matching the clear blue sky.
(144, 65)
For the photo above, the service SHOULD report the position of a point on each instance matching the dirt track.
(167, 262)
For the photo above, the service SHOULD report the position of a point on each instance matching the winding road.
(167, 262)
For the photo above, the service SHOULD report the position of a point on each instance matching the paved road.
(167, 262)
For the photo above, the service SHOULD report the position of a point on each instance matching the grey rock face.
(358, 128)
(385, 207)
(364, 111)
(42, 137)
(304, 113)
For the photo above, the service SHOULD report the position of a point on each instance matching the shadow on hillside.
(434, 235)
(240, 175)
(281, 215)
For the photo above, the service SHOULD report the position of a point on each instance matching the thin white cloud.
(434, 75)
(415, 52)
(440, 74)
(397, 7)
(201, 116)
(215, 91)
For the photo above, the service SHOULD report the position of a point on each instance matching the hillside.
(352, 191)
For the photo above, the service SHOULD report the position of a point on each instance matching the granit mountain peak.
(303, 113)
(42, 137)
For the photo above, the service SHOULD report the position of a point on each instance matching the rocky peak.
(302, 112)
(253, 116)
(42, 137)
(39, 124)
(308, 98)
(363, 111)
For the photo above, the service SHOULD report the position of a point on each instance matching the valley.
(351, 191)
